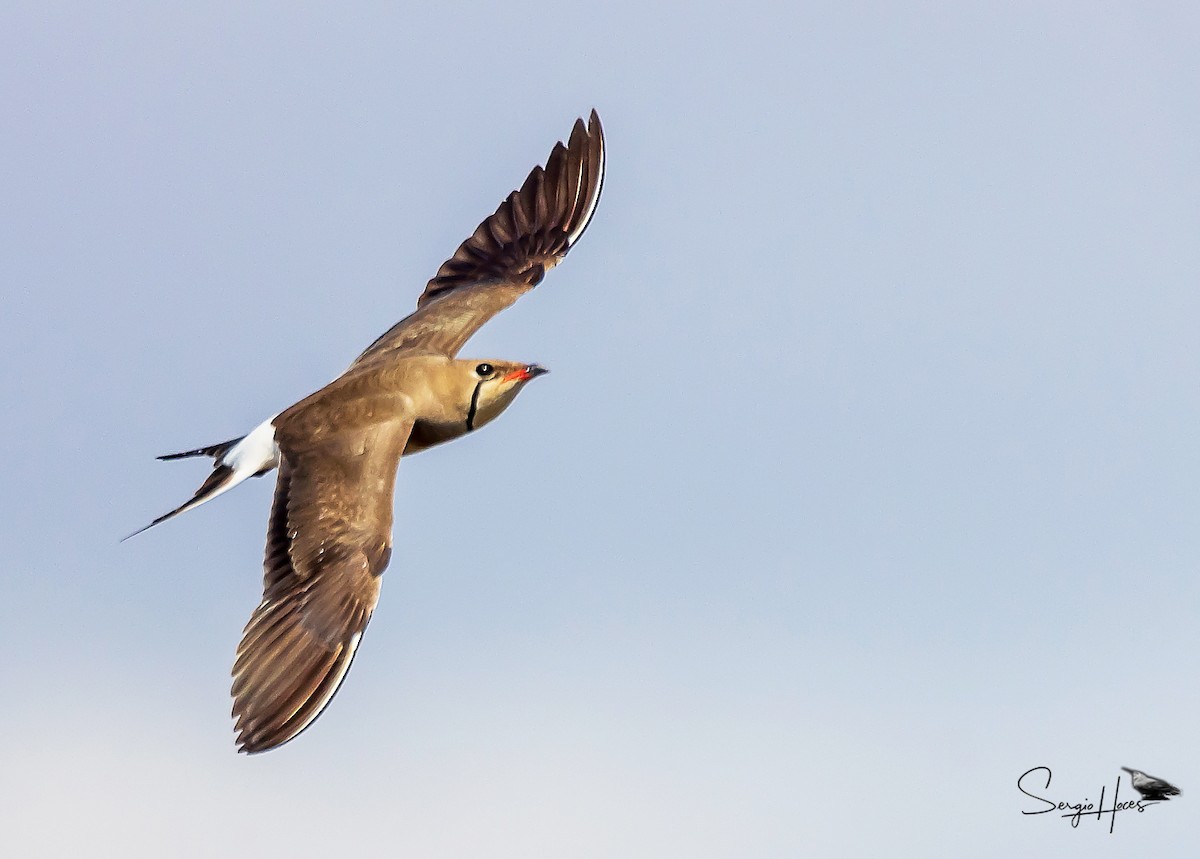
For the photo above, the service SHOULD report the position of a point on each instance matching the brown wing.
(328, 542)
(510, 252)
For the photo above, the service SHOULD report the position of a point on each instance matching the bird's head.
(493, 385)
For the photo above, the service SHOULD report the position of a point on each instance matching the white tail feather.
(257, 453)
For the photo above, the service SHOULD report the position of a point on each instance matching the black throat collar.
(474, 407)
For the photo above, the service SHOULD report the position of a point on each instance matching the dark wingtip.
(536, 225)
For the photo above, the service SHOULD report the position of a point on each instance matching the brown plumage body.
(329, 536)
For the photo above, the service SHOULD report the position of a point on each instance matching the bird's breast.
(426, 434)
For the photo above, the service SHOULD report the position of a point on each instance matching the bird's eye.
(484, 370)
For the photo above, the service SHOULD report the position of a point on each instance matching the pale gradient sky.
(864, 481)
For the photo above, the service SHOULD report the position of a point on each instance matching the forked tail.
(236, 460)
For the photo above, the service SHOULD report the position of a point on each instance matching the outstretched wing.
(328, 542)
(510, 252)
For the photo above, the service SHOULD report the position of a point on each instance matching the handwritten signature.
(1076, 811)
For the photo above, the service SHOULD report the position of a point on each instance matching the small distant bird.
(329, 537)
(1151, 788)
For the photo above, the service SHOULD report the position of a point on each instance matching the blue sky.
(864, 481)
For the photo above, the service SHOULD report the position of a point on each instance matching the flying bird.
(1151, 788)
(329, 537)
